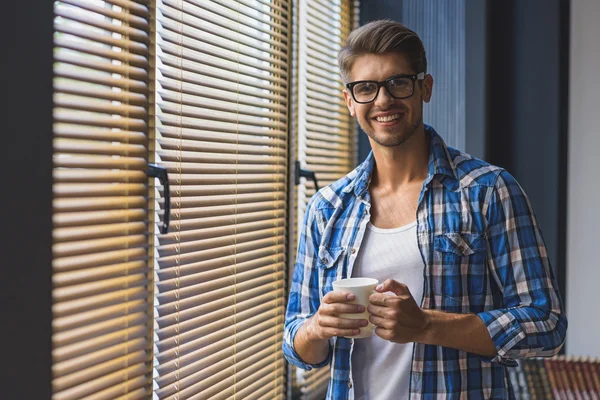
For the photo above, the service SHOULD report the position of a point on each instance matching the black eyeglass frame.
(413, 77)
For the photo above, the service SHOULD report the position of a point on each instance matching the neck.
(401, 165)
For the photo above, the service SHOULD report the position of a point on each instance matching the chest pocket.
(461, 244)
(460, 270)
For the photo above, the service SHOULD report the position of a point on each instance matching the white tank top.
(381, 369)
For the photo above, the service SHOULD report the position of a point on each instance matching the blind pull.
(154, 171)
(305, 173)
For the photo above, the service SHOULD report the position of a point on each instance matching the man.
(466, 285)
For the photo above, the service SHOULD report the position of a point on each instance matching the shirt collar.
(440, 163)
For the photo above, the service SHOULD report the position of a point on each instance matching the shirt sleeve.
(304, 298)
(532, 322)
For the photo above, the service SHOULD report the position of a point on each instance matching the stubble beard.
(393, 140)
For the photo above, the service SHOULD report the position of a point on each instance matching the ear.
(349, 102)
(427, 88)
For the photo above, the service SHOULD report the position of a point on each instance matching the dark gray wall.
(379, 9)
(25, 286)
(527, 108)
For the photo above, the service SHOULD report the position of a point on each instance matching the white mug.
(362, 288)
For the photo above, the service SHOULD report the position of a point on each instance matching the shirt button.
(324, 260)
(353, 251)
(349, 385)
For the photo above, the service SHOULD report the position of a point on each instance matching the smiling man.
(466, 288)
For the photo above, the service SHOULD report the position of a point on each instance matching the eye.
(400, 83)
(365, 88)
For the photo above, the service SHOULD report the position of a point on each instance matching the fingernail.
(356, 331)
(361, 308)
(364, 322)
(350, 296)
(379, 287)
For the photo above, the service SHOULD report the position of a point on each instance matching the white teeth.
(388, 118)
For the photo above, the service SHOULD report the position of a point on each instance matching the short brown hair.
(382, 36)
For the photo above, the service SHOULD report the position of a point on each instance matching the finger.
(390, 313)
(390, 285)
(341, 332)
(342, 308)
(342, 323)
(338, 297)
(384, 300)
(382, 322)
(376, 310)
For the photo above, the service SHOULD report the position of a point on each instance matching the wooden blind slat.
(222, 133)
(101, 310)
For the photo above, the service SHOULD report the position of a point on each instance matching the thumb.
(390, 285)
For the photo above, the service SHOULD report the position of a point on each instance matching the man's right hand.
(312, 339)
(327, 322)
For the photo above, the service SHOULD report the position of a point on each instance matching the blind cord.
(178, 205)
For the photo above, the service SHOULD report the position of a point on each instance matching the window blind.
(326, 134)
(101, 309)
(221, 131)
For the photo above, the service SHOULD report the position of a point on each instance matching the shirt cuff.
(505, 331)
(290, 352)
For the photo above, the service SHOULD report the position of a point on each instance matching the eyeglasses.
(399, 87)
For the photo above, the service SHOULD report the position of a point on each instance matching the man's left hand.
(398, 317)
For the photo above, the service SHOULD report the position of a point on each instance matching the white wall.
(583, 235)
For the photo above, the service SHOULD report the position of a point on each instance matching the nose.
(383, 97)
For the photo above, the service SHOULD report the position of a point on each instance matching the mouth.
(388, 119)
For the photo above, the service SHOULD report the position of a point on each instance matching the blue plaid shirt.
(483, 253)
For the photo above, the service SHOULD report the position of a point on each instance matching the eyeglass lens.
(396, 87)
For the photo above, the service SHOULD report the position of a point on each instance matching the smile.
(388, 118)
